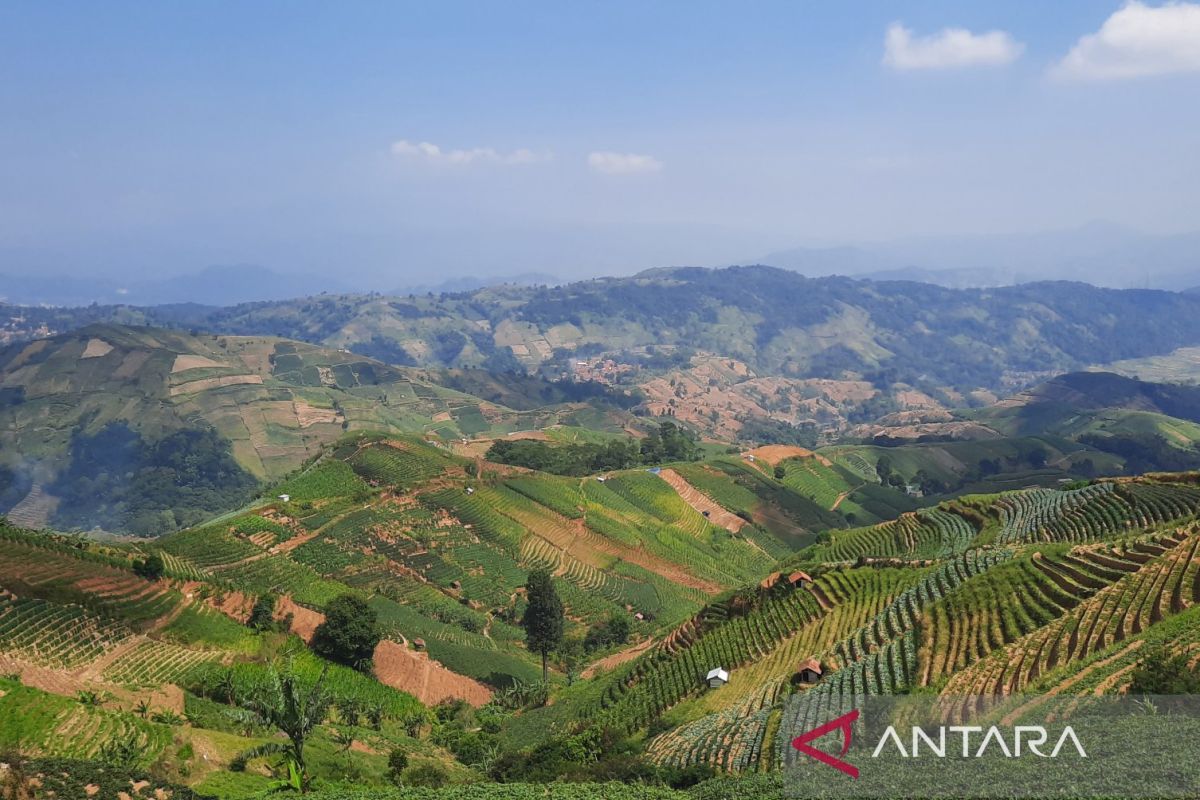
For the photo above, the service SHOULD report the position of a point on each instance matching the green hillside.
(91, 421)
(1046, 589)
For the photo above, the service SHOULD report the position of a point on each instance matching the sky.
(393, 143)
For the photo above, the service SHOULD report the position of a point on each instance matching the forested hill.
(777, 322)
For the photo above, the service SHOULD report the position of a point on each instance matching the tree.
(283, 703)
(151, 568)
(349, 633)
(397, 763)
(780, 472)
(543, 620)
(262, 616)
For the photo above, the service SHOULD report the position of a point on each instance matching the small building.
(800, 579)
(470, 490)
(640, 617)
(716, 678)
(455, 585)
(419, 644)
(601, 478)
(285, 497)
(809, 672)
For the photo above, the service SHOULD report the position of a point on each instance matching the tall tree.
(543, 620)
(283, 703)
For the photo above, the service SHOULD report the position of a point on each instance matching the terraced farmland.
(1158, 578)
(52, 635)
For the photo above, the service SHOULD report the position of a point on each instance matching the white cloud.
(1136, 41)
(622, 163)
(948, 49)
(433, 154)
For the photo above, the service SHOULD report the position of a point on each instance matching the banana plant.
(282, 702)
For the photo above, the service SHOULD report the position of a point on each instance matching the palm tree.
(283, 703)
(227, 687)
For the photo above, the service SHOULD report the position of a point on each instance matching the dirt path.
(698, 500)
(617, 659)
(839, 500)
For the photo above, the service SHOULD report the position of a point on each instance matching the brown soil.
(96, 348)
(424, 678)
(288, 545)
(774, 453)
(311, 415)
(191, 387)
(186, 362)
(702, 502)
(304, 620)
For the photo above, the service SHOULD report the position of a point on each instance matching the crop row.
(900, 616)
(928, 533)
(1093, 512)
(50, 725)
(399, 463)
(153, 663)
(730, 740)
(62, 636)
(669, 674)
(882, 672)
(1165, 584)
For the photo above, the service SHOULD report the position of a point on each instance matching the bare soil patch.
(304, 620)
(186, 362)
(424, 678)
(96, 348)
(191, 387)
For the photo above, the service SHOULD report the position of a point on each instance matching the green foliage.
(283, 702)
(151, 568)
(612, 631)
(668, 442)
(1163, 672)
(543, 620)
(349, 633)
(116, 479)
(397, 763)
(262, 614)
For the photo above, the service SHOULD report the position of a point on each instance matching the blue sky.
(394, 143)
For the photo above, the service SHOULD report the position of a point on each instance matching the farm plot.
(52, 635)
(49, 725)
(928, 533)
(1157, 585)
(400, 463)
(153, 663)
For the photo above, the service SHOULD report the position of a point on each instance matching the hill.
(712, 563)
(897, 345)
(147, 430)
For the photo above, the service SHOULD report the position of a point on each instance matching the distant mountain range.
(219, 286)
(1101, 254)
(775, 321)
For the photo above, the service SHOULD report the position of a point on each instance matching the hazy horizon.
(398, 145)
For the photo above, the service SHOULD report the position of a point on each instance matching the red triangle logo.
(845, 724)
